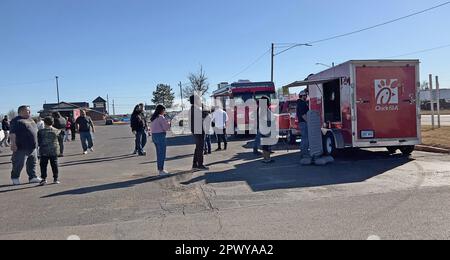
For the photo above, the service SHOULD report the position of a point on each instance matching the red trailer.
(241, 92)
(367, 103)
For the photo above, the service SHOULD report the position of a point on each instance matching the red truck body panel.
(372, 103)
(386, 108)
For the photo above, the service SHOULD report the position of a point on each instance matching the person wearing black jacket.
(302, 111)
(196, 118)
(5, 127)
(139, 128)
(60, 124)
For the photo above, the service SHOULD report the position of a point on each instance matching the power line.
(421, 51)
(379, 25)
(249, 66)
(294, 45)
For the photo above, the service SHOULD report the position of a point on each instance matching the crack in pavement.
(215, 210)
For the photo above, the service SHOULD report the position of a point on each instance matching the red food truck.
(287, 117)
(241, 92)
(367, 103)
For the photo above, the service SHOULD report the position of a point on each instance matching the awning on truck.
(306, 83)
(309, 82)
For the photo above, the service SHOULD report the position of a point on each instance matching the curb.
(431, 149)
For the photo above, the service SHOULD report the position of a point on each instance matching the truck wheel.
(291, 138)
(329, 145)
(407, 150)
(392, 149)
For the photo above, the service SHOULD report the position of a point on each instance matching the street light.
(281, 52)
(326, 65)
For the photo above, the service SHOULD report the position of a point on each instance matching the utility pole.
(432, 101)
(57, 89)
(273, 58)
(276, 54)
(114, 108)
(107, 100)
(181, 95)
(438, 97)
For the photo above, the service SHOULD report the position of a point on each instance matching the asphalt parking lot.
(111, 194)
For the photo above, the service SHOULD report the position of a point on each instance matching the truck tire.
(329, 145)
(407, 150)
(392, 149)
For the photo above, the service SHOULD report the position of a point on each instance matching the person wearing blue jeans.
(304, 145)
(84, 125)
(159, 140)
(159, 126)
(257, 144)
(141, 141)
(139, 127)
(23, 145)
(18, 161)
(207, 144)
(86, 141)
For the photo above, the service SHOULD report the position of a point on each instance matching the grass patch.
(443, 112)
(437, 138)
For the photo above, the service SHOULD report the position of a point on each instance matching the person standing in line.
(67, 130)
(6, 128)
(159, 126)
(264, 116)
(209, 132)
(23, 137)
(302, 111)
(73, 128)
(48, 151)
(257, 142)
(84, 125)
(139, 128)
(60, 125)
(220, 119)
(40, 124)
(196, 117)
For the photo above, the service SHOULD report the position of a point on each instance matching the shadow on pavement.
(238, 157)
(96, 160)
(287, 173)
(22, 187)
(114, 186)
(172, 158)
(189, 140)
(122, 138)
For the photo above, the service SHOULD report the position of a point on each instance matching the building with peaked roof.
(72, 109)
(100, 105)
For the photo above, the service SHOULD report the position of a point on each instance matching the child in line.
(48, 150)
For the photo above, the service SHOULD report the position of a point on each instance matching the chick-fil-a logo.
(386, 94)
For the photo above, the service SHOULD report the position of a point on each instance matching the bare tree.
(425, 85)
(12, 114)
(199, 84)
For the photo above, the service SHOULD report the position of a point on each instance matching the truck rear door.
(386, 102)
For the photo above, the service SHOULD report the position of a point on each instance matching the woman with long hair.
(159, 126)
(139, 128)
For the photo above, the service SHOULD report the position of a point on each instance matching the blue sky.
(125, 48)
